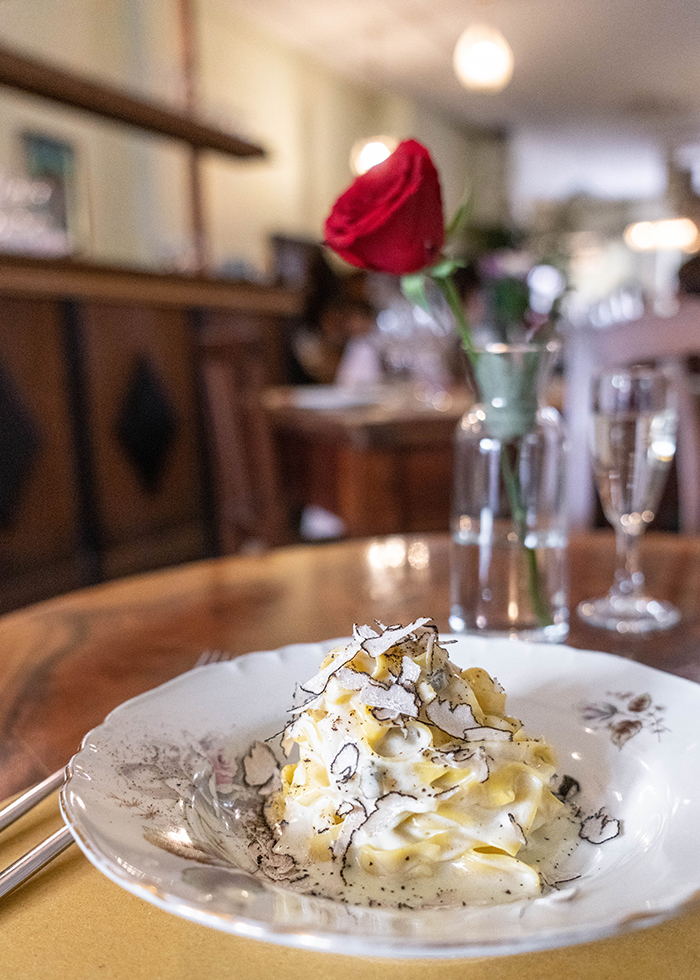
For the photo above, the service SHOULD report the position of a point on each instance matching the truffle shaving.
(317, 684)
(388, 808)
(375, 646)
(260, 765)
(344, 766)
(351, 680)
(393, 698)
(410, 672)
(487, 734)
(354, 815)
(361, 633)
(599, 828)
(455, 719)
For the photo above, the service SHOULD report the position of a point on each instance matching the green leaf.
(413, 288)
(461, 216)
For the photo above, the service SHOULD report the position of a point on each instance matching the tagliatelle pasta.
(412, 783)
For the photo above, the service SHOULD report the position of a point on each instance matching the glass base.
(627, 614)
(554, 633)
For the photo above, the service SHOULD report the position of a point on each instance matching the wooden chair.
(669, 340)
(250, 511)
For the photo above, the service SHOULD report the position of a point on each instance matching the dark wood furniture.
(107, 468)
(250, 502)
(117, 454)
(384, 468)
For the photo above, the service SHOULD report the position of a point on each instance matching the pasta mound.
(410, 773)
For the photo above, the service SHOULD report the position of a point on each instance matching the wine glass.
(633, 444)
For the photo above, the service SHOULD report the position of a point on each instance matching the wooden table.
(65, 663)
(68, 661)
(380, 467)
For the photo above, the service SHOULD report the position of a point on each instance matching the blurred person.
(336, 344)
(689, 277)
(361, 361)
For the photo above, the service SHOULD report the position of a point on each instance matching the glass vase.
(508, 573)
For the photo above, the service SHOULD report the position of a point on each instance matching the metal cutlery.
(30, 798)
(34, 860)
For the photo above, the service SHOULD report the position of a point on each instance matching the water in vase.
(488, 567)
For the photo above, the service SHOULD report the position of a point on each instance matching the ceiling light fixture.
(370, 151)
(483, 59)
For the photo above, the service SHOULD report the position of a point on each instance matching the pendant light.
(483, 60)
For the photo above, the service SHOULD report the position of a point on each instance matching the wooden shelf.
(27, 75)
(64, 278)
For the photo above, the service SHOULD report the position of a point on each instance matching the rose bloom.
(390, 219)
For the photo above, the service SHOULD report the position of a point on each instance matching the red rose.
(390, 219)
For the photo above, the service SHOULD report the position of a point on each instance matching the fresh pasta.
(412, 784)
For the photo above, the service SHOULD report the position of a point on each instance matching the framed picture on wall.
(50, 169)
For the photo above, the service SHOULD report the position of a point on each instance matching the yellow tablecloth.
(71, 923)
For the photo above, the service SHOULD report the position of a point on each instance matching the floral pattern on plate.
(202, 800)
(625, 715)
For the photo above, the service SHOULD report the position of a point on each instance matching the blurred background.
(166, 167)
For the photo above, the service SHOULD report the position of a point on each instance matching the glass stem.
(628, 577)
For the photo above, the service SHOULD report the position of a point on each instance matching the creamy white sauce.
(413, 786)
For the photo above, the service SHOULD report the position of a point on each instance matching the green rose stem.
(510, 480)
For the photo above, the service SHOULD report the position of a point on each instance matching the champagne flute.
(633, 444)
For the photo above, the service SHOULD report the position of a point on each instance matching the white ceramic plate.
(333, 397)
(138, 801)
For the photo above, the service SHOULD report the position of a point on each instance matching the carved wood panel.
(39, 508)
(146, 454)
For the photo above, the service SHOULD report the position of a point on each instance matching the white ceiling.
(631, 63)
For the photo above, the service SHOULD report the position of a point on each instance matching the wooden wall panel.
(75, 508)
(148, 503)
(237, 357)
(39, 535)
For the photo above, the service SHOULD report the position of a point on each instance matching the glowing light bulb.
(483, 59)
(367, 153)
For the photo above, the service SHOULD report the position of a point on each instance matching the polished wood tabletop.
(65, 663)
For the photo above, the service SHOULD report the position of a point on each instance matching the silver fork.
(31, 862)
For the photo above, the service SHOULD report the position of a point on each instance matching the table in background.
(65, 663)
(381, 467)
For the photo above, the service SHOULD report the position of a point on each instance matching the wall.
(132, 197)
